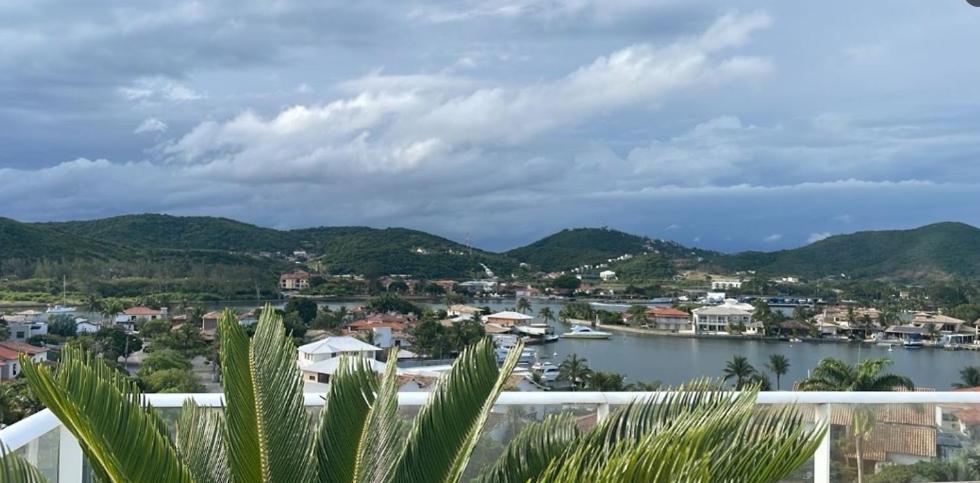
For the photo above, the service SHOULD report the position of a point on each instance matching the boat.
(794, 340)
(914, 341)
(62, 309)
(583, 332)
(537, 333)
(547, 370)
(528, 356)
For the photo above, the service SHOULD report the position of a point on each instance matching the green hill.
(372, 251)
(180, 232)
(34, 242)
(940, 250)
(575, 247)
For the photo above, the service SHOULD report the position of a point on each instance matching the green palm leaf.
(14, 469)
(448, 426)
(200, 441)
(533, 449)
(124, 438)
(268, 431)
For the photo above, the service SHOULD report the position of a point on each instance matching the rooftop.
(336, 344)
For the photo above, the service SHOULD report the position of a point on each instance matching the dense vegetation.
(936, 251)
(575, 247)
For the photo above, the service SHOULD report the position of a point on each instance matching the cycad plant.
(264, 433)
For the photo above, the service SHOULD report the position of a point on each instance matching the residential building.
(135, 315)
(726, 284)
(9, 352)
(26, 324)
(937, 322)
(84, 326)
(666, 318)
(294, 281)
(457, 310)
(209, 322)
(607, 275)
(507, 318)
(319, 360)
(716, 319)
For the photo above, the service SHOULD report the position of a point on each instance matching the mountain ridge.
(938, 250)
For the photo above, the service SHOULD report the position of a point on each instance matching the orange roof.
(141, 311)
(7, 354)
(667, 312)
(22, 347)
(296, 275)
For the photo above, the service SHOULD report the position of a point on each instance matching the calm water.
(674, 360)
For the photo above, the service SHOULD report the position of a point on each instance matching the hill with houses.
(205, 244)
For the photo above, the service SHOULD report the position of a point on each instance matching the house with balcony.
(726, 284)
(717, 319)
(294, 281)
(26, 324)
(667, 318)
(320, 359)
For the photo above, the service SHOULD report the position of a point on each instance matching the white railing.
(26, 435)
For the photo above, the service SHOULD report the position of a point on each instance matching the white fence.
(36, 433)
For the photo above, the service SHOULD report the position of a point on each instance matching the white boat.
(527, 355)
(795, 340)
(537, 333)
(547, 370)
(60, 309)
(583, 332)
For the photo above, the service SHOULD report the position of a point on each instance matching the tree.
(465, 333)
(172, 380)
(836, 375)
(111, 308)
(429, 338)
(641, 386)
(294, 325)
(92, 303)
(574, 370)
(397, 286)
(969, 377)
(153, 329)
(162, 360)
(302, 306)
(264, 432)
(606, 381)
(576, 310)
(637, 314)
(523, 306)
(17, 401)
(546, 314)
(779, 365)
(388, 302)
(566, 282)
(186, 339)
(63, 325)
(740, 370)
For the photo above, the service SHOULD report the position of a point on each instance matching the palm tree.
(739, 369)
(264, 433)
(637, 314)
(779, 365)
(606, 381)
(666, 441)
(969, 377)
(575, 370)
(110, 308)
(92, 303)
(546, 314)
(836, 375)
(523, 305)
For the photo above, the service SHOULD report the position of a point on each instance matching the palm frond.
(341, 431)
(448, 426)
(268, 431)
(14, 469)
(533, 449)
(123, 438)
(383, 437)
(200, 441)
(690, 436)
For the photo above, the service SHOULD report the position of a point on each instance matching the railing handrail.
(36, 425)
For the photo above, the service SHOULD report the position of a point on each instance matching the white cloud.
(775, 237)
(815, 237)
(150, 125)
(155, 90)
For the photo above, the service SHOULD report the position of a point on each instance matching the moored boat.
(583, 332)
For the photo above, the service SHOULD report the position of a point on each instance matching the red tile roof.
(667, 312)
(9, 349)
(138, 311)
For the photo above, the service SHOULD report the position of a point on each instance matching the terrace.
(910, 426)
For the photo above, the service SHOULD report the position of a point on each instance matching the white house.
(508, 317)
(26, 324)
(716, 319)
(319, 360)
(9, 351)
(607, 275)
(83, 326)
(725, 284)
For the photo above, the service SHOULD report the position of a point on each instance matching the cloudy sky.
(497, 121)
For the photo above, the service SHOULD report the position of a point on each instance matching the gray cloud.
(495, 121)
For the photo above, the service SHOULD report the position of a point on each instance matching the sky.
(730, 126)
